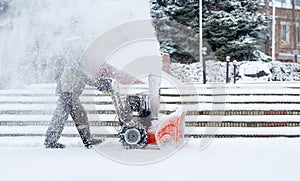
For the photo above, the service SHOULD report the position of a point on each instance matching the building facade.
(287, 36)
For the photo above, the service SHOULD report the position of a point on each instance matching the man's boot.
(54, 145)
(93, 141)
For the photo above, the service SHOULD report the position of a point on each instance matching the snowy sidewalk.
(223, 160)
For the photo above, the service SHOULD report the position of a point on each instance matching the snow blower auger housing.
(134, 116)
(133, 133)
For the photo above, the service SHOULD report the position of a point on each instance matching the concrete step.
(238, 108)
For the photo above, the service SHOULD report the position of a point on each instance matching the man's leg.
(58, 121)
(79, 116)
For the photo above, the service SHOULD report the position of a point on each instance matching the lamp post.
(227, 69)
(234, 71)
(273, 29)
(201, 43)
(295, 51)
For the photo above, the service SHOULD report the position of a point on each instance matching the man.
(70, 85)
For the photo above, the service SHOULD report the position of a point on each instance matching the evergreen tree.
(3, 6)
(177, 27)
(231, 28)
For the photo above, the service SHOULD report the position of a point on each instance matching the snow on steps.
(28, 111)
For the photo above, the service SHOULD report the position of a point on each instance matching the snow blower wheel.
(133, 135)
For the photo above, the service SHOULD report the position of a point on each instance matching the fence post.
(227, 69)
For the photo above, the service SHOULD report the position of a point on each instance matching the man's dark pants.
(68, 105)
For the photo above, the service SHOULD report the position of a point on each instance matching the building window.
(285, 33)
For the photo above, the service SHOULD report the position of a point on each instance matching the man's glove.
(104, 85)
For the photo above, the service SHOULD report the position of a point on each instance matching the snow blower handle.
(108, 87)
(104, 85)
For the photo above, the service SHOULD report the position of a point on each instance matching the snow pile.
(216, 71)
(285, 71)
(254, 71)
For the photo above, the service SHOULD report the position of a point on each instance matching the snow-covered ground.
(223, 160)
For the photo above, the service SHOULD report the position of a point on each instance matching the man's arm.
(87, 79)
